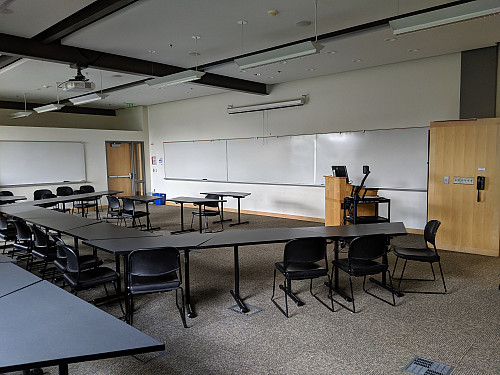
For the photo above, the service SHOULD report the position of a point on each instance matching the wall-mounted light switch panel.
(463, 180)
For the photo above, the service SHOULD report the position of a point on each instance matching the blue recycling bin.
(161, 201)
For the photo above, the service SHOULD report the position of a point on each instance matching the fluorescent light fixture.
(49, 108)
(281, 54)
(457, 13)
(176, 78)
(87, 98)
(21, 114)
(261, 107)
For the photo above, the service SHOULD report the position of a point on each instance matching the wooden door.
(119, 159)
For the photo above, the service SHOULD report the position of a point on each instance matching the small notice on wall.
(154, 160)
(160, 160)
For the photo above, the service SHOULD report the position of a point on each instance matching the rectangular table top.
(126, 245)
(194, 200)
(6, 259)
(14, 278)
(100, 230)
(75, 197)
(11, 198)
(234, 194)
(44, 325)
(61, 222)
(349, 231)
(141, 198)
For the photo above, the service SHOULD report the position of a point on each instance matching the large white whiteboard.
(196, 160)
(286, 160)
(397, 157)
(33, 162)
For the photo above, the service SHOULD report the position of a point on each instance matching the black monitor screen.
(340, 171)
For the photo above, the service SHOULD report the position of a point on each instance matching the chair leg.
(433, 279)
(353, 310)
(274, 301)
(332, 309)
(392, 290)
(119, 299)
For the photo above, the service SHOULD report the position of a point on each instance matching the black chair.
(48, 205)
(38, 194)
(7, 232)
(209, 209)
(425, 255)
(6, 193)
(129, 212)
(64, 191)
(86, 261)
(43, 249)
(89, 202)
(153, 271)
(84, 204)
(79, 279)
(300, 262)
(23, 243)
(114, 209)
(361, 260)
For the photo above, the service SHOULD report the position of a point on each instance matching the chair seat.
(44, 253)
(86, 262)
(8, 234)
(22, 247)
(153, 284)
(136, 214)
(361, 267)
(298, 271)
(91, 277)
(420, 255)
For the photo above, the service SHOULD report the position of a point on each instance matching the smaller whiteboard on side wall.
(200, 160)
(32, 162)
(286, 160)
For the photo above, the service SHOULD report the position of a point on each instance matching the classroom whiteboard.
(201, 160)
(38, 162)
(286, 160)
(397, 158)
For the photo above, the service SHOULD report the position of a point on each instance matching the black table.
(192, 200)
(144, 199)
(11, 198)
(14, 278)
(232, 194)
(43, 325)
(6, 259)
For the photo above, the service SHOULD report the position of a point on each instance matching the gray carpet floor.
(459, 329)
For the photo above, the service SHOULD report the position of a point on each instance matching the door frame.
(132, 163)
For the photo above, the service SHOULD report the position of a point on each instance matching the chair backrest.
(430, 231)
(128, 204)
(78, 191)
(72, 264)
(154, 262)
(38, 194)
(305, 250)
(87, 188)
(23, 231)
(113, 202)
(63, 191)
(6, 193)
(41, 239)
(368, 247)
(212, 204)
(61, 254)
(48, 196)
(3, 223)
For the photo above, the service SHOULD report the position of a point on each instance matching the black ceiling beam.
(32, 49)
(68, 109)
(84, 17)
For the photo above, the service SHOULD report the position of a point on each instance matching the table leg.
(182, 222)
(383, 283)
(187, 289)
(236, 292)
(239, 215)
(63, 369)
(222, 220)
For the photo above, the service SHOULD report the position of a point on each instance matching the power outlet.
(463, 180)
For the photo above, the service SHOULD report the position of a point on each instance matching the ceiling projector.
(77, 86)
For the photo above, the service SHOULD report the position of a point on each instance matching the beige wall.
(392, 96)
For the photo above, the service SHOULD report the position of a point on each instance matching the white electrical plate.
(463, 180)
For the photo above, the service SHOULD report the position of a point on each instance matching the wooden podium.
(336, 189)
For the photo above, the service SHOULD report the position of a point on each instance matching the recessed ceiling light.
(331, 52)
(413, 50)
(303, 23)
(46, 86)
(257, 74)
(310, 69)
(243, 71)
(116, 76)
(152, 51)
(194, 54)
(390, 39)
(270, 77)
(241, 22)
(357, 61)
(284, 62)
